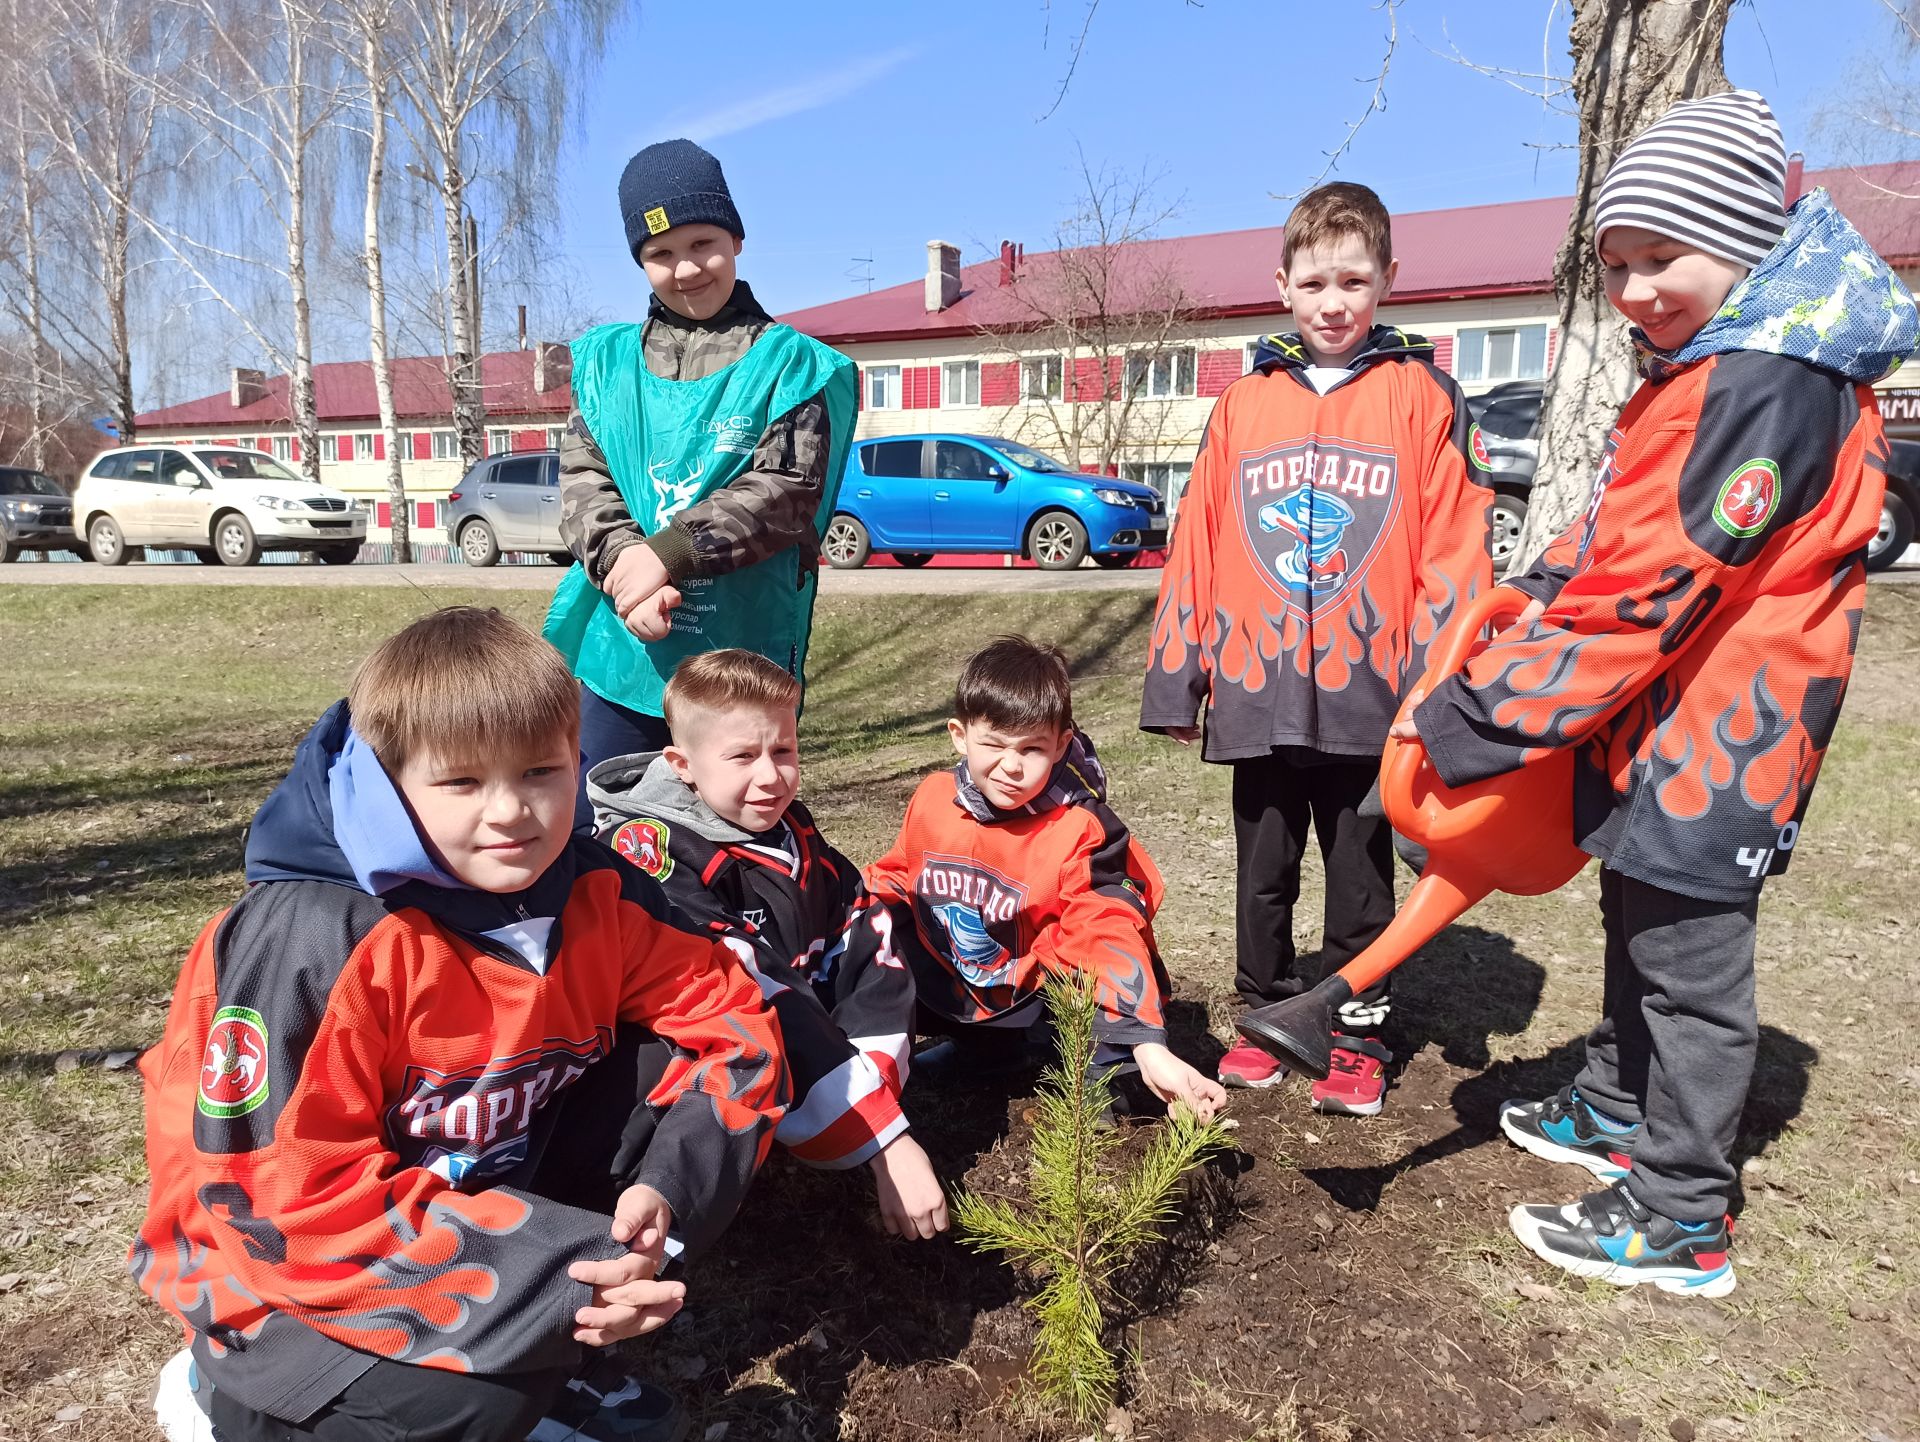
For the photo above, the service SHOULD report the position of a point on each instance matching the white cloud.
(811, 94)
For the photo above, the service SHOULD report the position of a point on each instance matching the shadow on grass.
(236, 780)
(147, 865)
(1476, 986)
(860, 687)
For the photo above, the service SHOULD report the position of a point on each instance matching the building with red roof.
(957, 350)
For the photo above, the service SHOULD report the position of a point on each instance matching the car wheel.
(205, 556)
(1057, 542)
(846, 545)
(477, 545)
(339, 555)
(912, 560)
(8, 551)
(109, 547)
(1890, 542)
(560, 558)
(1114, 560)
(234, 541)
(1504, 522)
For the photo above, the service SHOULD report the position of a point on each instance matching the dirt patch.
(1300, 1293)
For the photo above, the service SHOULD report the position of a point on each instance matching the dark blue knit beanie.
(674, 183)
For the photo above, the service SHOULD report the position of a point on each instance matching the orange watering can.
(1510, 833)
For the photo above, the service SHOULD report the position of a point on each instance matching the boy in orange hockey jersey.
(391, 1193)
(1336, 516)
(1692, 635)
(1010, 870)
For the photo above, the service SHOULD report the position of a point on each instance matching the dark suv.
(1509, 419)
(508, 503)
(1902, 507)
(35, 515)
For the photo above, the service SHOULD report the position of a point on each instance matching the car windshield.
(28, 483)
(1029, 458)
(244, 466)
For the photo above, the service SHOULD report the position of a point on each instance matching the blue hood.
(338, 817)
(1822, 296)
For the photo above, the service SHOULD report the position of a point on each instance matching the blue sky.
(853, 128)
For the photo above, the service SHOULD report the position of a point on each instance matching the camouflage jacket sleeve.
(594, 520)
(765, 509)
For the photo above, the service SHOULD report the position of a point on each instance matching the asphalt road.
(887, 581)
(883, 581)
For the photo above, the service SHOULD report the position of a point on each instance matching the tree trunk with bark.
(463, 369)
(37, 370)
(1631, 60)
(374, 63)
(306, 416)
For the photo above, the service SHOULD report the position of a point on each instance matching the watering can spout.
(1299, 1031)
(1509, 833)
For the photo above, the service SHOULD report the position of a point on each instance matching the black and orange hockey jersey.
(989, 905)
(1701, 617)
(353, 1089)
(844, 998)
(1322, 542)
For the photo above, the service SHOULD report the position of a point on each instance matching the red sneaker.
(1248, 1066)
(1357, 1084)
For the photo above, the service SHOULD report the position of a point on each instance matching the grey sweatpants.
(1675, 1045)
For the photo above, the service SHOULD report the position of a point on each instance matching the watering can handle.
(1497, 605)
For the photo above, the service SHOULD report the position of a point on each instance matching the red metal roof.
(1477, 250)
(343, 391)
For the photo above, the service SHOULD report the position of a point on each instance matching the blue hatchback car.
(918, 496)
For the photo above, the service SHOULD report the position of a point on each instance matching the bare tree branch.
(1375, 102)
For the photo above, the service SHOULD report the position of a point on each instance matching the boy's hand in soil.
(912, 1201)
(627, 1300)
(1178, 1084)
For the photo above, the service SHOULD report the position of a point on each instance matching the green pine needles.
(1086, 1218)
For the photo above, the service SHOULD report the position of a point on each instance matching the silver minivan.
(508, 503)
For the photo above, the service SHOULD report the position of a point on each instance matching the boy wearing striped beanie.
(1691, 635)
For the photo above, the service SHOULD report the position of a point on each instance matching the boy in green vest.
(697, 469)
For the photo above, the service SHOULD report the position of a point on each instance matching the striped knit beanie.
(1710, 172)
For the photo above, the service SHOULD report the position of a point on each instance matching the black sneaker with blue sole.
(1611, 1236)
(1563, 1128)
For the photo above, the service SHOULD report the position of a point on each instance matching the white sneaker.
(177, 1407)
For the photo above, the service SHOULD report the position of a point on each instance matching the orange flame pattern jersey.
(1700, 625)
(1322, 543)
(351, 1095)
(989, 906)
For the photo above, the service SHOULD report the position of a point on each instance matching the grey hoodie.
(622, 788)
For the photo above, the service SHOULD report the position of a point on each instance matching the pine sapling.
(1086, 1216)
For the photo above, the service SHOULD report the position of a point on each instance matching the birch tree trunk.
(306, 418)
(463, 372)
(374, 63)
(37, 378)
(1631, 60)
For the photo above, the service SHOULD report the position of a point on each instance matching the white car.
(225, 503)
